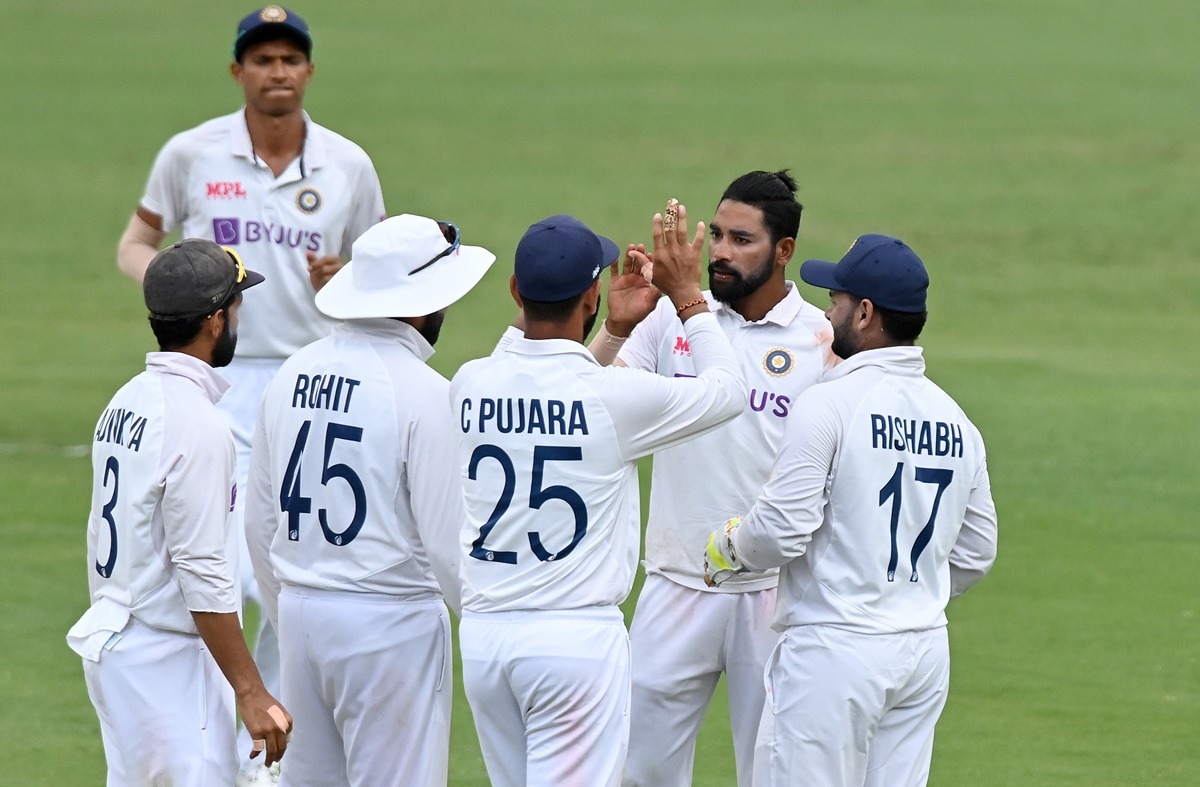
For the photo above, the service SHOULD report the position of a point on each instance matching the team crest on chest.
(778, 362)
(308, 200)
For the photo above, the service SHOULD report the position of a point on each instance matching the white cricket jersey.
(879, 508)
(548, 450)
(208, 182)
(695, 488)
(159, 534)
(354, 481)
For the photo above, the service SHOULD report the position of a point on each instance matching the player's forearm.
(715, 362)
(137, 247)
(605, 346)
(222, 634)
(974, 552)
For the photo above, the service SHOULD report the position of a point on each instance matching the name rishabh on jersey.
(906, 520)
(549, 447)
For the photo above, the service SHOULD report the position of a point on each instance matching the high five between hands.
(673, 266)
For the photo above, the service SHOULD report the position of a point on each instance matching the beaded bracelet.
(690, 304)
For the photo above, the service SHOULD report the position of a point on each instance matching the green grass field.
(1042, 157)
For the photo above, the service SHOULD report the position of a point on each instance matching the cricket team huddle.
(815, 500)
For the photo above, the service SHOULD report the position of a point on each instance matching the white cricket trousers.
(368, 681)
(682, 640)
(166, 711)
(549, 691)
(845, 708)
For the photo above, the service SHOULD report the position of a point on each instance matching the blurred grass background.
(1042, 157)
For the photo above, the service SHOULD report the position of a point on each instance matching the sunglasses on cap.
(239, 276)
(450, 233)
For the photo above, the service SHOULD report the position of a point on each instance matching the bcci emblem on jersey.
(778, 362)
(308, 200)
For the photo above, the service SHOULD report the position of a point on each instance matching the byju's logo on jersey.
(308, 200)
(231, 232)
(225, 189)
(227, 232)
(779, 362)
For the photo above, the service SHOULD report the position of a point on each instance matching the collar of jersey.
(781, 313)
(391, 330)
(190, 368)
(903, 361)
(524, 346)
(241, 146)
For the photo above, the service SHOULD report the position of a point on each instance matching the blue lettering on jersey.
(760, 399)
(523, 416)
(324, 392)
(121, 426)
(932, 438)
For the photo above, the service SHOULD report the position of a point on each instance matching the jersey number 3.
(538, 495)
(294, 503)
(892, 490)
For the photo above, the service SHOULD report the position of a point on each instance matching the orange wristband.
(690, 304)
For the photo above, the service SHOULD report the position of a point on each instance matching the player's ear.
(512, 287)
(235, 68)
(784, 250)
(215, 324)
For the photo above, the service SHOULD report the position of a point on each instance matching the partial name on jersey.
(523, 416)
(932, 438)
(121, 426)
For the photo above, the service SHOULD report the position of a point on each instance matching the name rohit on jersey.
(324, 392)
(524, 416)
(932, 438)
(121, 426)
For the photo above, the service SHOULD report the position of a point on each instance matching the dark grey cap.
(192, 278)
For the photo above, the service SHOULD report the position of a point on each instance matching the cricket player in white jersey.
(782, 346)
(354, 513)
(549, 443)
(879, 511)
(290, 195)
(162, 554)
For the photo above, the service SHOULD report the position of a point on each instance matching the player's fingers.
(698, 241)
(657, 230)
(681, 226)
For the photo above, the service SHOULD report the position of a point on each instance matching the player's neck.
(277, 141)
(756, 305)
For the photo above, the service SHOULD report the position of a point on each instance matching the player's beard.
(844, 344)
(222, 352)
(742, 284)
(432, 328)
(589, 322)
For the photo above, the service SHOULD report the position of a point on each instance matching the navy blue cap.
(880, 268)
(559, 257)
(268, 24)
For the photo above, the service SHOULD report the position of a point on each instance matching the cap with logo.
(560, 257)
(405, 266)
(268, 24)
(192, 278)
(880, 268)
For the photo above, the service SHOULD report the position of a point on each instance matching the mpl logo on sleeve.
(225, 189)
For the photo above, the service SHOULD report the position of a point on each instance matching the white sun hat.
(404, 267)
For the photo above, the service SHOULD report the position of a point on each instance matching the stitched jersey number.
(892, 490)
(111, 466)
(537, 497)
(294, 503)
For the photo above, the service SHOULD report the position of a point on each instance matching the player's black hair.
(550, 311)
(902, 326)
(173, 334)
(774, 193)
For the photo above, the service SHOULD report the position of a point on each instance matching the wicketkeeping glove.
(720, 561)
